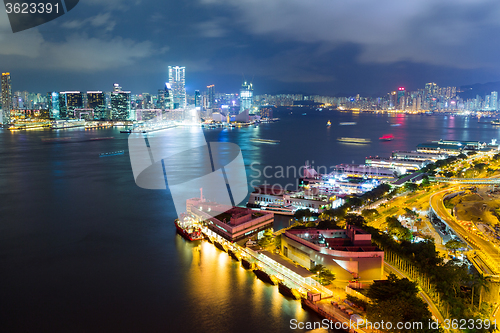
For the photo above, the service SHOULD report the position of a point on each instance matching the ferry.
(102, 138)
(386, 137)
(112, 153)
(263, 276)
(63, 124)
(328, 123)
(348, 123)
(287, 291)
(354, 140)
(496, 122)
(265, 140)
(188, 230)
(54, 140)
(279, 209)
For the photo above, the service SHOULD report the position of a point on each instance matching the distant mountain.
(481, 89)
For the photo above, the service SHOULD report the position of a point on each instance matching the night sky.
(326, 47)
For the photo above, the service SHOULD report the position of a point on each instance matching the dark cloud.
(316, 46)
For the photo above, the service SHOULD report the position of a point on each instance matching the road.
(477, 243)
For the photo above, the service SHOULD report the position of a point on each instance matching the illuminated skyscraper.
(168, 96)
(68, 102)
(120, 104)
(53, 105)
(211, 96)
(197, 98)
(6, 98)
(401, 98)
(177, 80)
(246, 96)
(494, 100)
(96, 101)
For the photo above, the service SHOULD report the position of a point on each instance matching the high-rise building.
(211, 96)
(246, 96)
(177, 80)
(197, 98)
(53, 105)
(97, 101)
(168, 97)
(120, 104)
(494, 100)
(68, 102)
(401, 105)
(6, 98)
(431, 88)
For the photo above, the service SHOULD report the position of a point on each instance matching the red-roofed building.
(348, 253)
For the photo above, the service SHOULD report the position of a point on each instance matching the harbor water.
(84, 249)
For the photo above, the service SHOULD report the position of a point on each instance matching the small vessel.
(354, 140)
(219, 246)
(386, 137)
(102, 138)
(395, 125)
(112, 153)
(188, 230)
(246, 264)
(233, 254)
(126, 131)
(287, 291)
(328, 123)
(264, 276)
(304, 114)
(265, 140)
(54, 140)
(348, 123)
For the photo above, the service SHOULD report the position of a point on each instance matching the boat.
(188, 231)
(348, 123)
(55, 140)
(328, 123)
(263, 276)
(102, 138)
(496, 122)
(304, 114)
(63, 124)
(287, 291)
(354, 140)
(219, 246)
(265, 140)
(112, 153)
(386, 137)
(278, 209)
(246, 264)
(126, 131)
(233, 255)
(395, 125)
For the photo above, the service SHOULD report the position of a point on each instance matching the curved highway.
(487, 251)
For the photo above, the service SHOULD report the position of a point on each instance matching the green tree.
(396, 300)
(355, 220)
(412, 187)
